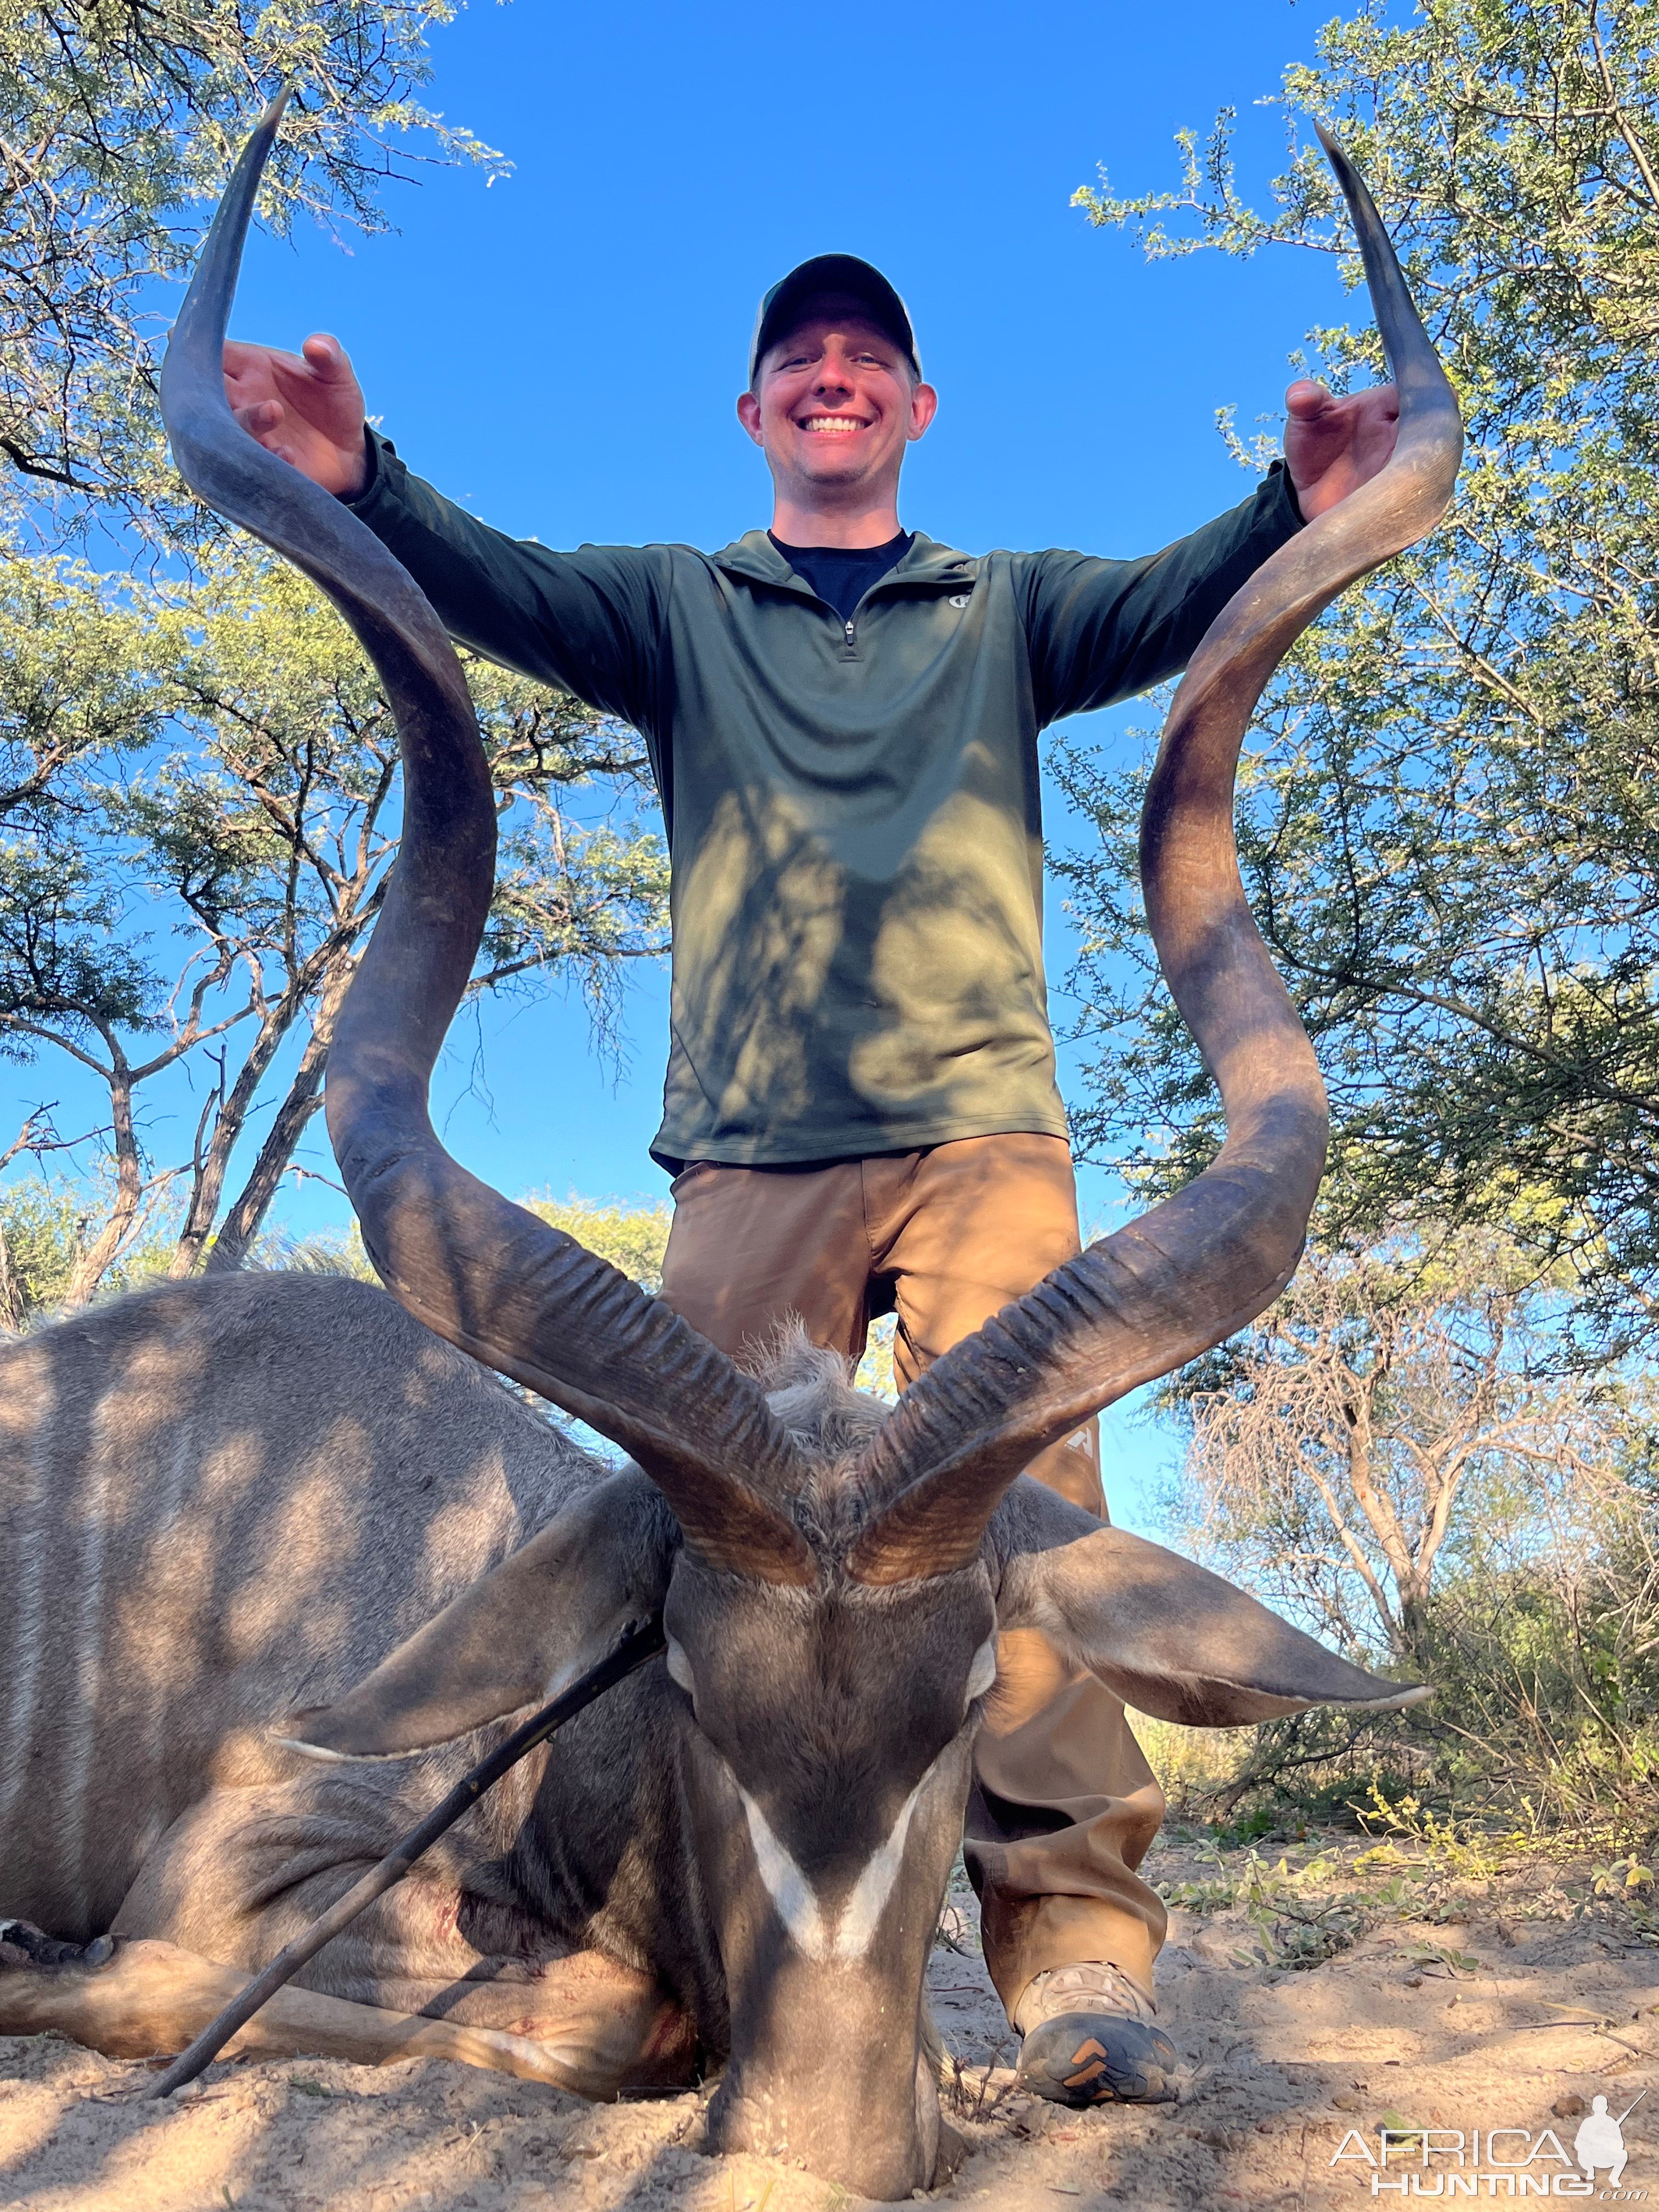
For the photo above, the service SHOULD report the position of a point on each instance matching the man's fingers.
(261, 418)
(241, 358)
(327, 357)
(1307, 400)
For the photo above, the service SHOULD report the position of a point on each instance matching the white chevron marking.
(797, 1902)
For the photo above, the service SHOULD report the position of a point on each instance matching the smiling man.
(860, 1113)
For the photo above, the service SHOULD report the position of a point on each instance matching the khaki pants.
(1064, 1806)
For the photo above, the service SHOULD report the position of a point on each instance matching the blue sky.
(562, 351)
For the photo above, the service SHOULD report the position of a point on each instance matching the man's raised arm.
(587, 621)
(1103, 630)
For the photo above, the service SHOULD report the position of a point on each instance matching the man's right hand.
(306, 406)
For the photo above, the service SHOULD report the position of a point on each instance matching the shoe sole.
(1083, 2058)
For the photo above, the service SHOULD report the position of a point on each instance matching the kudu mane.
(810, 1392)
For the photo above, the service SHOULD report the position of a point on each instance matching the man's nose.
(834, 376)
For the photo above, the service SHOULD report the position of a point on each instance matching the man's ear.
(522, 1633)
(1168, 1636)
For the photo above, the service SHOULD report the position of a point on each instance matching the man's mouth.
(831, 426)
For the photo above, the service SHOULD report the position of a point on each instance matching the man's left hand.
(1334, 446)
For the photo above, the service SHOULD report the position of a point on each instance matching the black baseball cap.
(832, 273)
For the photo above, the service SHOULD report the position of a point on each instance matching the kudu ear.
(1168, 1636)
(522, 1633)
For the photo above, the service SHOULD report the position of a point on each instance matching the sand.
(1507, 2003)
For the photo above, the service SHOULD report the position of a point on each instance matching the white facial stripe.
(786, 1885)
(984, 1672)
(798, 1904)
(874, 1886)
(680, 1667)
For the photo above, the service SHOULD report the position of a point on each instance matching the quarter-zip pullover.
(851, 804)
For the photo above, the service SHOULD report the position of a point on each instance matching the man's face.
(833, 406)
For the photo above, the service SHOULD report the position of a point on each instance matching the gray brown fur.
(228, 1500)
(199, 1486)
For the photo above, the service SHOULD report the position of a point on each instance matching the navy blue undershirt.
(842, 574)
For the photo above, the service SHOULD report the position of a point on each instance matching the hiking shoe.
(1089, 2037)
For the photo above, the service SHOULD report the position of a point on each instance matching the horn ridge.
(519, 1296)
(1186, 1275)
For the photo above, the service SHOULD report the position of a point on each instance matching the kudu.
(229, 1500)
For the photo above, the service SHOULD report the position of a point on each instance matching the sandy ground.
(1507, 2003)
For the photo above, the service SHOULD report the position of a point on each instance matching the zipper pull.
(849, 633)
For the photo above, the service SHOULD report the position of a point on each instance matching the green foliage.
(1292, 1926)
(1544, 1724)
(78, 670)
(45, 1225)
(1391, 1422)
(1194, 1766)
(60, 961)
(117, 127)
(874, 1372)
(632, 1237)
(1546, 1655)
(44, 1228)
(201, 840)
(1320, 1894)
(1388, 1456)
(1467, 1849)
(1451, 833)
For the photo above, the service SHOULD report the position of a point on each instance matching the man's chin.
(838, 471)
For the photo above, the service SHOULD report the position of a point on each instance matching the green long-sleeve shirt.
(851, 808)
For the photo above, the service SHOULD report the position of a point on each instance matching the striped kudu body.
(237, 1499)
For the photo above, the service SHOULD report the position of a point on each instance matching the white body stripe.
(27, 1564)
(797, 1902)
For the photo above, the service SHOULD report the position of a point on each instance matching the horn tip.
(306, 1749)
(1401, 1700)
(263, 135)
(1337, 155)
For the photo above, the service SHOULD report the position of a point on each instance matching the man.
(860, 1112)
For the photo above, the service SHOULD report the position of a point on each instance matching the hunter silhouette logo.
(1600, 2141)
(1511, 2162)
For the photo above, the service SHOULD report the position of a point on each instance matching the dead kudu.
(227, 1504)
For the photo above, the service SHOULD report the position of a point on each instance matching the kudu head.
(831, 1581)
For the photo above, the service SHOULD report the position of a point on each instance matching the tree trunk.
(229, 1124)
(1413, 1618)
(247, 1217)
(11, 1295)
(100, 1255)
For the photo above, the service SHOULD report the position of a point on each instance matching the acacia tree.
(1380, 1428)
(117, 124)
(1451, 835)
(198, 801)
(200, 909)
